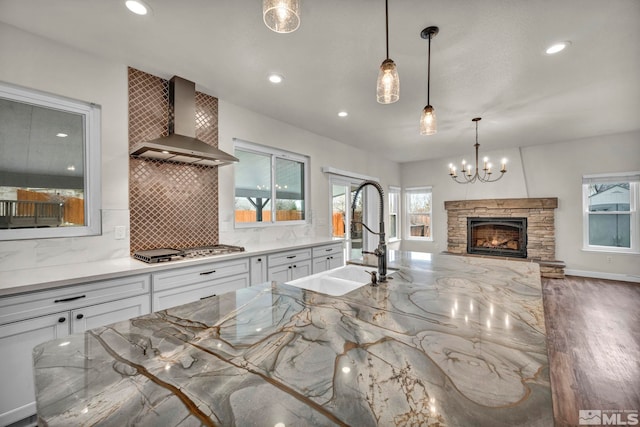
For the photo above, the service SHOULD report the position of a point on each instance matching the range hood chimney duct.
(181, 145)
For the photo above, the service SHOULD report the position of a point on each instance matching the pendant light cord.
(429, 70)
(386, 14)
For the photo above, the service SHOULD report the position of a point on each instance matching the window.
(393, 229)
(270, 186)
(610, 205)
(49, 166)
(418, 213)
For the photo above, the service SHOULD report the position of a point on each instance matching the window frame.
(395, 192)
(92, 146)
(274, 154)
(634, 198)
(407, 222)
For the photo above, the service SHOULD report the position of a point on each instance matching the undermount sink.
(336, 282)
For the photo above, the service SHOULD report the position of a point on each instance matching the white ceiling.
(488, 60)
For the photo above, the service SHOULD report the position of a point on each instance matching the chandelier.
(467, 173)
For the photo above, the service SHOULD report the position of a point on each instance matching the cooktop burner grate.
(152, 256)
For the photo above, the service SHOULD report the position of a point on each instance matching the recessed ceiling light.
(275, 78)
(557, 47)
(138, 7)
(61, 135)
(343, 114)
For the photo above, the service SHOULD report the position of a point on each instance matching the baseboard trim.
(601, 275)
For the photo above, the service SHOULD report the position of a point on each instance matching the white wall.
(48, 66)
(42, 64)
(237, 122)
(564, 165)
(550, 170)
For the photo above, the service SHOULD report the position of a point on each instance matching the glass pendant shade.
(388, 90)
(281, 16)
(428, 123)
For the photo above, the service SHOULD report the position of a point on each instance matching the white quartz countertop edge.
(42, 278)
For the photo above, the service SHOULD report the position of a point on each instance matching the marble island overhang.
(450, 341)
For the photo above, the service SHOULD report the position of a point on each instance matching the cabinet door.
(94, 316)
(336, 261)
(258, 270)
(320, 264)
(280, 273)
(300, 269)
(17, 394)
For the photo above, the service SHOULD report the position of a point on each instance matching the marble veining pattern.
(450, 341)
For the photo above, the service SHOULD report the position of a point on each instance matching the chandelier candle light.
(281, 16)
(388, 88)
(468, 176)
(428, 124)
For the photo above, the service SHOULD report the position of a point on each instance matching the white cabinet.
(30, 319)
(327, 257)
(184, 285)
(258, 269)
(86, 318)
(17, 339)
(289, 265)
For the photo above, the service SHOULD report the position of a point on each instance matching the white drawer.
(327, 250)
(180, 277)
(288, 257)
(68, 298)
(197, 291)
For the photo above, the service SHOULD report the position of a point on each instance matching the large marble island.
(450, 341)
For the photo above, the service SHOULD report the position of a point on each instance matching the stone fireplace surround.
(540, 214)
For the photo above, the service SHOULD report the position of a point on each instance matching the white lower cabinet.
(327, 257)
(33, 318)
(289, 265)
(17, 394)
(285, 273)
(258, 269)
(184, 285)
(94, 316)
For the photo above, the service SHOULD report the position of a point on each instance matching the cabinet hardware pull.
(295, 266)
(328, 250)
(291, 256)
(259, 259)
(210, 296)
(205, 273)
(69, 299)
(62, 319)
(79, 316)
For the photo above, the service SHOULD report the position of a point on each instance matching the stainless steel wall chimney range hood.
(182, 146)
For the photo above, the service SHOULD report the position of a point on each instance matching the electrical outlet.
(609, 259)
(119, 232)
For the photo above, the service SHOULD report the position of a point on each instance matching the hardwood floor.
(593, 329)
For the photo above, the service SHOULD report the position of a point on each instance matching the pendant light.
(281, 16)
(388, 88)
(428, 124)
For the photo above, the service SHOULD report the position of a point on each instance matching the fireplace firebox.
(497, 236)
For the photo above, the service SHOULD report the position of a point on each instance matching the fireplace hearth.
(540, 243)
(497, 236)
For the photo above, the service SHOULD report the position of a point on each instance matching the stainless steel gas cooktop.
(169, 254)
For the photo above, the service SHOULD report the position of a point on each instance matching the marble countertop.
(449, 341)
(35, 279)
